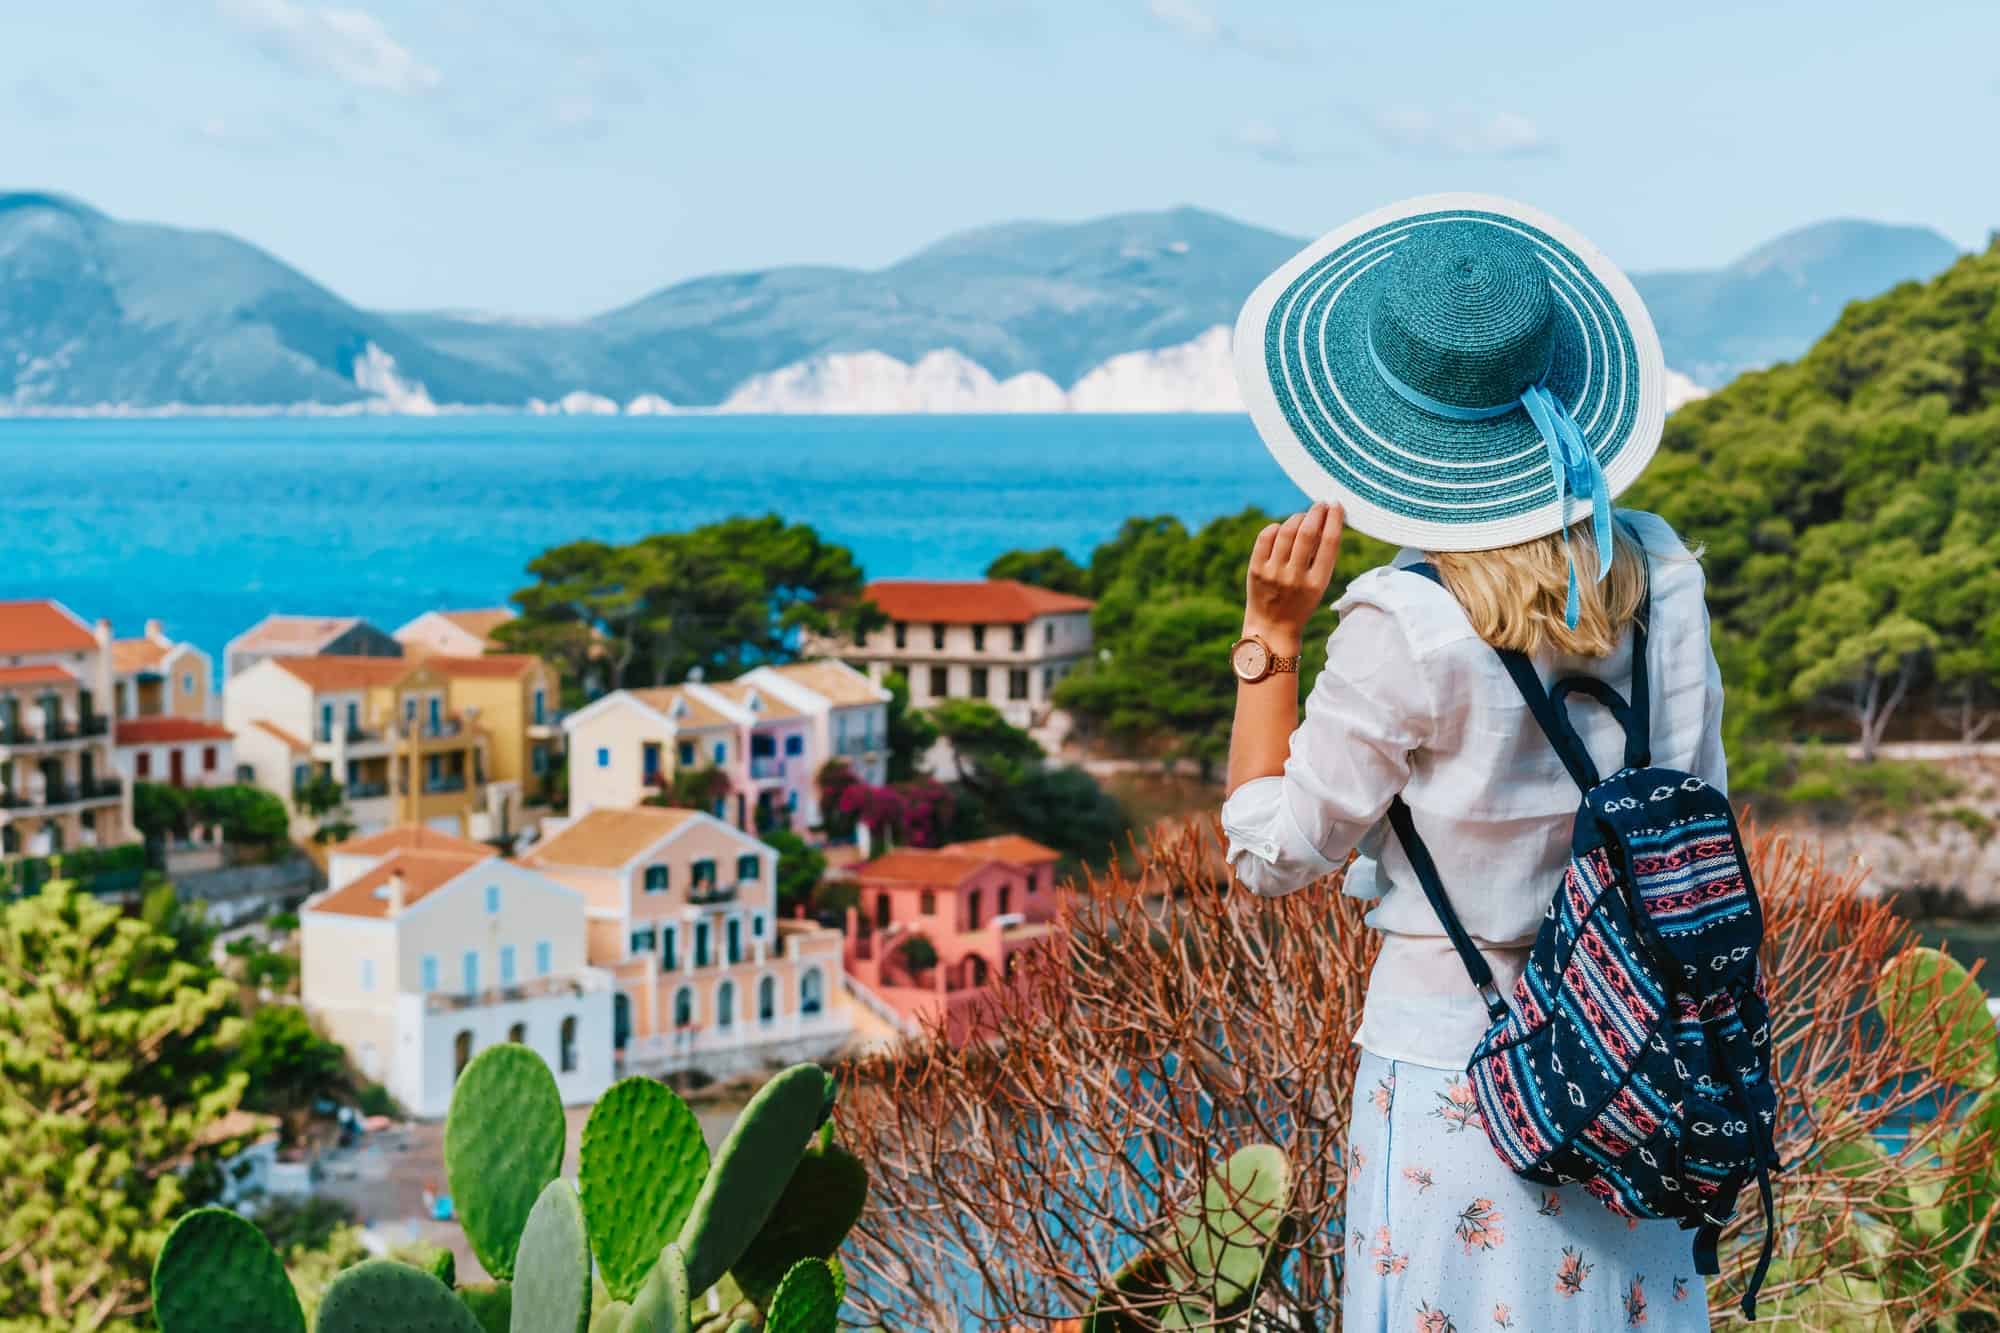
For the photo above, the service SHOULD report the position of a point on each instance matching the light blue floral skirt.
(1443, 1238)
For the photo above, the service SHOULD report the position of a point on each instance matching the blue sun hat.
(1460, 372)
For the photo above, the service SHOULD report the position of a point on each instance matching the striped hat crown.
(1464, 316)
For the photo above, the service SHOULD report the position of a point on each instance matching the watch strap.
(1282, 664)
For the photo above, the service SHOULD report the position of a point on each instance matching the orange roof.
(409, 838)
(36, 675)
(481, 622)
(296, 631)
(423, 873)
(1009, 847)
(697, 716)
(972, 602)
(493, 664)
(155, 730)
(291, 742)
(738, 693)
(42, 626)
(919, 865)
(608, 839)
(129, 655)
(348, 673)
(833, 680)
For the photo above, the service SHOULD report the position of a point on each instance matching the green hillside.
(1850, 506)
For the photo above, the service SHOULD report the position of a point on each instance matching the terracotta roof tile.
(130, 655)
(296, 632)
(834, 681)
(917, 865)
(738, 692)
(972, 602)
(1009, 847)
(481, 622)
(423, 873)
(699, 716)
(36, 675)
(493, 664)
(158, 730)
(409, 838)
(42, 626)
(608, 839)
(348, 673)
(292, 742)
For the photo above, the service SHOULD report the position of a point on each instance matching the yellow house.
(682, 912)
(629, 744)
(59, 785)
(385, 728)
(514, 697)
(155, 676)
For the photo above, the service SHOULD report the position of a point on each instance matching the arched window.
(461, 1053)
(518, 1034)
(566, 1056)
(809, 991)
(683, 1007)
(725, 1004)
(976, 970)
(767, 999)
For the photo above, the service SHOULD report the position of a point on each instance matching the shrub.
(918, 953)
(374, 1099)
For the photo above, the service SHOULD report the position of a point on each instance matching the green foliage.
(312, 1269)
(286, 1062)
(115, 1048)
(917, 952)
(692, 789)
(263, 967)
(807, 1300)
(321, 795)
(247, 815)
(1007, 787)
(1828, 785)
(160, 811)
(381, 1294)
(910, 731)
(374, 1099)
(983, 743)
(217, 1274)
(800, 868)
(551, 1291)
(503, 1142)
(1050, 567)
(721, 597)
(293, 1226)
(642, 1160)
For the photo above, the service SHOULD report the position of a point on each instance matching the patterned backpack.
(1635, 1058)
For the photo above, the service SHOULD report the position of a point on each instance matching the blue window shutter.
(430, 971)
(544, 962)
(603, 757)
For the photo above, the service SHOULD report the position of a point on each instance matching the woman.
(1470, 379)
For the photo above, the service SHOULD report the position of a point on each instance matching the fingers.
(1321, 571)
(1306, 544)
(1288, 532)
(1266, 541)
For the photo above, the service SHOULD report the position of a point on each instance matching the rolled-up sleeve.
(1368, 711)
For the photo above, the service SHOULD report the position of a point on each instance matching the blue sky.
(561, 158)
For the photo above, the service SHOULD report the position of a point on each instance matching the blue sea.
(211, 523)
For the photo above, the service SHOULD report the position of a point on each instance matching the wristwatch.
(1253, 660)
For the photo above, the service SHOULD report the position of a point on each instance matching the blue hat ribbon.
(1576, 469)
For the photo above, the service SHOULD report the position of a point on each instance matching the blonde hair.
(1514, 595)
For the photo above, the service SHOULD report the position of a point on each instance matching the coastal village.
(476, 864)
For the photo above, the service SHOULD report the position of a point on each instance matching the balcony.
(701, 895)
(366, 791)
(346, 735)
(49, 733)
(533, 989)
(442, 728)
(867, 744)
(767, 768)
(55, 795)
(450, 782)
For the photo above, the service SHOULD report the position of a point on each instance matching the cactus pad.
(610, 1318)
(381, 1294)
(443, 1266)
(1938, 1015)
(641, 1165)
(662, 1303)
(1228, 1239)
(819, 1207)
(491, 1303)
(552, 1275)
(503, 1141)
(751, 1170)
(217, 1274)
(808, 1301)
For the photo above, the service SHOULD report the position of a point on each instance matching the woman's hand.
(1290, 567)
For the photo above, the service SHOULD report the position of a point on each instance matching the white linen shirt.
(1413, 701)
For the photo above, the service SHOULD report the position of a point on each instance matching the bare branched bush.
(1175, 1019)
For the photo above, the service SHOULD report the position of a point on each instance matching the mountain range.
(1125, 313)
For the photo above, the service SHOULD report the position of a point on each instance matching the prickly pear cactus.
(641, 1165)
(820, 1205)
(491, 1303)
(1938, 1015)
(610, 1318)
(503, 1141)
(443, 1266)
(217, 1274)
(1227, 1240)
(662, 1303)
(807, 1300)
(551, 1291)
(752, 1169)
(380, 1294)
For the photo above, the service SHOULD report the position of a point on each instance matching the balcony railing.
(345, 735)
(449, 726)
(61, 729)
(767, 766)
(712, 893)
(54, 794)
(365, 791)
(449, 783)
(533, 988)
(858, 744)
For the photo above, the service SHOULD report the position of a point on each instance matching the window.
(603, 757)
(767, 999)
(656, 879)
(979, 638)
(881, 907)
(187, 682)
(1048, 679)
(926, 903)
(670, 948)
(704, 873)
(721, 752)
(429, 971)
(469, 967)
(763, 746)
(541, 706)
(940, 682)
(937, 637)
(518, 1034)
(795, 744)
(809, 991)
(725, 1004)
(368, 974)
(732, 932)
(568, 1044)
(1049, 633)
(972, 910)
(144, 766)
(541, 761)
(687, 754)
(756, 925)
(1020, 638)
(410, 712)
(642, 940)
(701, 944)
(434, 769)
(978, 690)
(301, 775)
(353, 717)
(506, 964)
(1006, 898)
(747, 867)
(902, 635)
(683, 1007)
(208, 758)
(437, 715)
(326, 722)
(649, 762)
(1017, 684)
(492, 900)
(545, 962)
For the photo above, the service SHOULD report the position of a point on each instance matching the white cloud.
(1196, 21)
(1458, 134)
(1268, 143)
(349, 44)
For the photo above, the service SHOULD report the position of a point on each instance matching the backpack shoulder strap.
(1427, 877)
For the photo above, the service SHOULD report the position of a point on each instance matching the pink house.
(934, 927)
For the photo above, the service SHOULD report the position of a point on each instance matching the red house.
(934, 927)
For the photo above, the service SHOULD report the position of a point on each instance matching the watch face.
(1250, 659)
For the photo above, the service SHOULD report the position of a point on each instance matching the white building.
(425, 949)
(174, 751)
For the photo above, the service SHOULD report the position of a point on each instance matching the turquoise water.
(210, 524)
